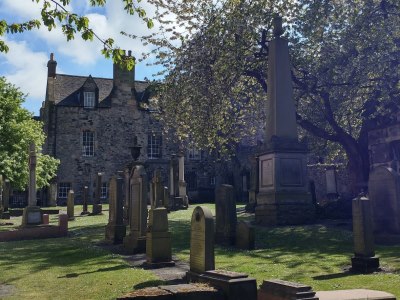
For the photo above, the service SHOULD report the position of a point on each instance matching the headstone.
(115, 229)
(331, 183)
(135, 242)
(364, 259)
(158, 239)
(384, 194)
(45, 219)
(284, 290)
(181, 183)
(283, 196)
(202, 240)
(245, 236)
(97, 206)
(253, 184)
(156, 190)
(32, 214)
(71, 205)
(85, 195)
(52, 194)
(225, 209)
(63, 223)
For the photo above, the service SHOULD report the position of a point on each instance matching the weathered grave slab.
(245, 236)
(225, 210)
(276, 289)
(356, 294)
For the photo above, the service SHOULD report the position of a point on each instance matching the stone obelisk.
(32, 214)
(283, 196)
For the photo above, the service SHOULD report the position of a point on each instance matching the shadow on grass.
(150, 283)
(334, 276)
(115, 268)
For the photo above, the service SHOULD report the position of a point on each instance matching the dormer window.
(88, 99)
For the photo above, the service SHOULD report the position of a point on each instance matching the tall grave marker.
(364, 259)
(85, 195)
(115, 229)
(71, 205)
(225, 210)
(135, 242)
(97, 207)
(283, 196)
(32, 214)
(6, 199)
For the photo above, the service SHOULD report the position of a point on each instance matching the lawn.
(77, 267)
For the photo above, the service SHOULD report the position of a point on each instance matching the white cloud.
(29, 69)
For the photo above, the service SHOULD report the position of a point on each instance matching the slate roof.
(66, 87)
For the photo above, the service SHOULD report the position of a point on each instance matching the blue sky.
(25, 64)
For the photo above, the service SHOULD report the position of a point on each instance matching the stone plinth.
(225, 210)
(364, 259)
(202, 240)
(32, 215)
(284, 290)
(245, 236)
(158, 239)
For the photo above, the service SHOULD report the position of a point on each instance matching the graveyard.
(81, 266)
(204, 186)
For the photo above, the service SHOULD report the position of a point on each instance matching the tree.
(345, 57)
(55, 13)
(17, 130)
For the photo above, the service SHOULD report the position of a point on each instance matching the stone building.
(91, 123)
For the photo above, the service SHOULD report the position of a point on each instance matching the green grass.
(74, 267)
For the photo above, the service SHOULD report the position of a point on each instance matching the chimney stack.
(51, 67)
(122, 76)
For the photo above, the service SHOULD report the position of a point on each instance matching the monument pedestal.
(115, 233)
(364, 265)
(283, 197)
(133, 243)
(32, 215)
(97, 209)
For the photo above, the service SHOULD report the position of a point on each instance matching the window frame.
(63, 189)
(154, 144)
(89, 99)
(104, 191)
(88, 143)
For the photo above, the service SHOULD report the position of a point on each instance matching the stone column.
(32, 214)
(6, 199)
(283, 196)
(85, 195)
(71, 205)
(32, 201)
(97, 206)
(171, 178)
(364, 259)
(181, 160)
(126, 195)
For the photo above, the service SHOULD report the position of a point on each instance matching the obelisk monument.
(283, 196)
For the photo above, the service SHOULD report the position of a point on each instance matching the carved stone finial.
(277, 25)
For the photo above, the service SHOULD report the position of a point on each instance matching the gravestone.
(156, 190)
(6, 199)
(283, 196)
(201, 241)
(364, 259)
(384, 194)
(71, 205)
(225, 210)
(52, 193)
(32, 214)
(115, 229)
(85, 195)
(253, 184)
(135, 242)
(181, 183)
(97, 206)
(158, 239)
(276, 289)
(245, 236)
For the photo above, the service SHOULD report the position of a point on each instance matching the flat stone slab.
(356, 294)
(6, 290)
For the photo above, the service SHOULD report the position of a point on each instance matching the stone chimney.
(51, 67)
(123, 77)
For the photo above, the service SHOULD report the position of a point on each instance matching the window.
(87, 143)
(194, 154)
(104, 191)
(154, 146)
(88, 99)
(212, 180)
(63, 189)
